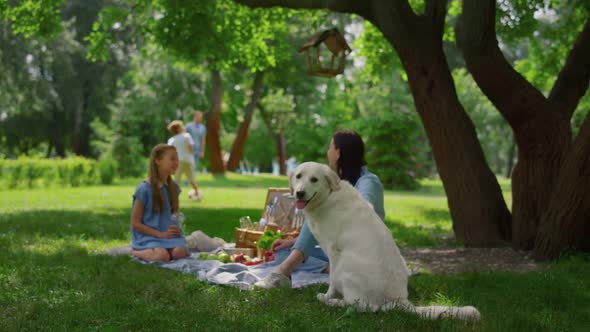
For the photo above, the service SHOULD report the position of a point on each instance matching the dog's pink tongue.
(300, 204)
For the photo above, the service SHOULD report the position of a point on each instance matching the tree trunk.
(237, 149)
(479, 213)
(565, 224)
(49, 148)
(56, 132)
(60, 148)
(281, 152)
(541, 125)
(213, 117)
(510, 162)
(279, 138)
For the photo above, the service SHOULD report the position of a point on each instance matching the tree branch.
(341, 6)
(572, 82)
(513, 96)
(436, 11)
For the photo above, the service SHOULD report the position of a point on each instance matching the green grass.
(54, 274)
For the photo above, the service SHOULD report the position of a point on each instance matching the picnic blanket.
(235, 274)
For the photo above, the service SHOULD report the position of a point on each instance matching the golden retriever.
(367, 270)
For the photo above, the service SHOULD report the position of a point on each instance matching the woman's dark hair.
(352, 154)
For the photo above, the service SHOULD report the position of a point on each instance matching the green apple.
(223, 257)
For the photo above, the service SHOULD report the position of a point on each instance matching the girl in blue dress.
(154, 237)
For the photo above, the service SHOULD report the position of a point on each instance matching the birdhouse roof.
(332, 38)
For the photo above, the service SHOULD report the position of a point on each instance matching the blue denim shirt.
(197, 131)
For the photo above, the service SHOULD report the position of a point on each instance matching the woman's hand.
(172, 232)
(281, 244)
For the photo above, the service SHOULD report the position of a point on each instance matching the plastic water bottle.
(178, 220)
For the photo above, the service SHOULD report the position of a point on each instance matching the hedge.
(26, 172)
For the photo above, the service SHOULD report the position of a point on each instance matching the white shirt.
(182, 142)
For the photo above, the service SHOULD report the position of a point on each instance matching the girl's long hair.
(352, 154)
(154, 178)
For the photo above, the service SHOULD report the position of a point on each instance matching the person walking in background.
(198, 132)
(154, 235)
(184, 146)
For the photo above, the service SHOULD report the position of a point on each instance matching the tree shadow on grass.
(228, 182)
(112, 226)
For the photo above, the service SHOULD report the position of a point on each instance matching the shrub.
(26, 172)
(107, 167)
(393, 148)
(127, 151)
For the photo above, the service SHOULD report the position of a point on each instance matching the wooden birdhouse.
(325, 53)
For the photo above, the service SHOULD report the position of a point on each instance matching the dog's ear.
(332, 178)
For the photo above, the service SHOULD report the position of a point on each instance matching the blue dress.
(158, 220)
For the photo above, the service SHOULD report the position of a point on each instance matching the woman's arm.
(281, 244)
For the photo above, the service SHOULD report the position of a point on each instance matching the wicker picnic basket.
(279, 210)
(247, 238)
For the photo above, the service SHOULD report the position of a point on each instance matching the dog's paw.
(323, 297)
(334, 302)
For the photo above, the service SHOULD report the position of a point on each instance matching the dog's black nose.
(300, 194)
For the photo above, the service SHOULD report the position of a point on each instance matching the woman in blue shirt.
(346, 156)
(154, 237)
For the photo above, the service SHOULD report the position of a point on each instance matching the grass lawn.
(54, 274)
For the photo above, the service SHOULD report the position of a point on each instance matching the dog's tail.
(435, 312)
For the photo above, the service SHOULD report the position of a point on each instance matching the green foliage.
(395, 142)
(33, 17)
(260, 149)
(550, 33)
(378, 53)
(101, 138)
(49, 92)
(153, 93)
(99, 41)
(108, 168)
(417, 6)
(26, 172)
(394, 150)
(130, 157)
(221, 33)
